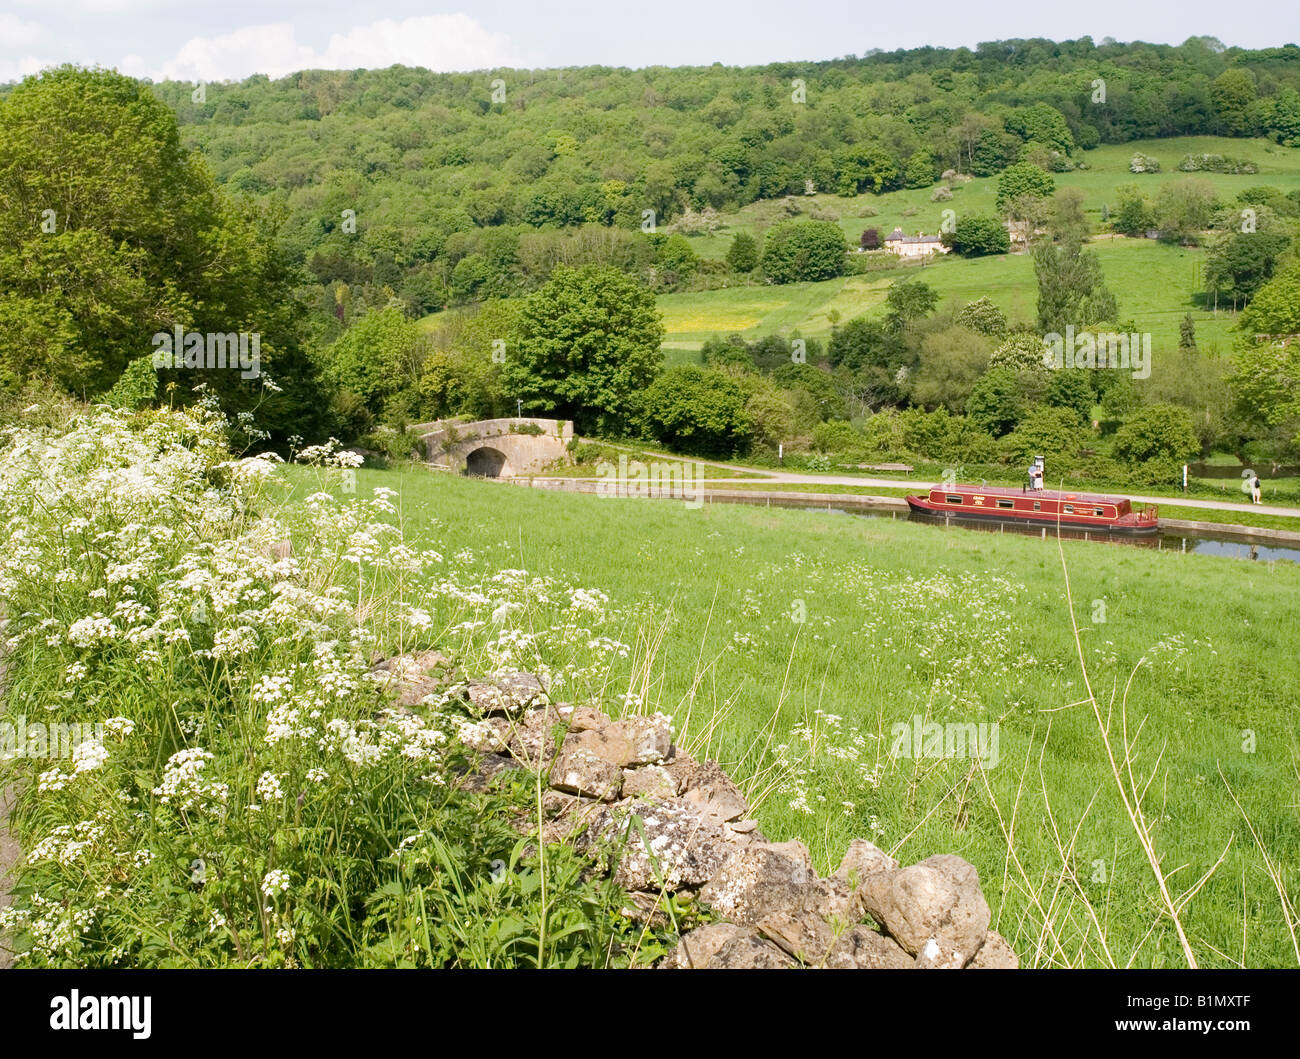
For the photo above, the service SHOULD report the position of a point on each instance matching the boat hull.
(922, 506)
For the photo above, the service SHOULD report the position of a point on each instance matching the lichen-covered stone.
(668, 847)
(758, 879)
(939, 901)
(697, 947)
(683, 827)
(720, 802)
(995, 954)
(488, 736)
(631, 741)
(705, 785)
(509, 693)
(806, 936)
(649, 781)
(862, 948)
(862, 859)
(750, 952)
(578, 771)
(412, 677)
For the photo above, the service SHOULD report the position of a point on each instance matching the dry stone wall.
(674, 825)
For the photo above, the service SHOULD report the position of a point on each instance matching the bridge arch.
(495, 448)
(487, 462)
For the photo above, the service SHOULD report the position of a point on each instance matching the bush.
(1156, 432)
(804, 251)
(983, 316)
(138, 386)
(1216, 163)
(590, 453)
(698, 411)
(393, 445)
(1051, 432)
(742, 255)
(939, 436)
(839, 438)
(976, 235)
(1023, 178)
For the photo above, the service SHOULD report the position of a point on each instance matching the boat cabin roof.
(1040, 494)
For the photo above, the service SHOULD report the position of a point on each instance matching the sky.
(203, 40)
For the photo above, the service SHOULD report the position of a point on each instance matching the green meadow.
(1155, 284)
(1107, 167)
(1133, 796)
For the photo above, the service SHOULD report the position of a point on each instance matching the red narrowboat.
(1039, 507)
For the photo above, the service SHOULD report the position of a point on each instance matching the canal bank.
(1175, 533)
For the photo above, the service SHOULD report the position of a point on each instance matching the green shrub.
(590, 453)
(137, 387)
(1216, 163)
(804, 252)
(698, 411)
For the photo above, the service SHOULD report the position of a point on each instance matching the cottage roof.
(896, 236)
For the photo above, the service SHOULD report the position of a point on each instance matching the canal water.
(1194, 541)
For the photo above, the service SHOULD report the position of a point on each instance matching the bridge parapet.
(494, 447)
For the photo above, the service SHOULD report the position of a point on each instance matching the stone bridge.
(494, 448)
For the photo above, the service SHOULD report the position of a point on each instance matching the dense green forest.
(462, 186)
(333, 211)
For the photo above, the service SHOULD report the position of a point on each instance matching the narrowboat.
(1039, 507)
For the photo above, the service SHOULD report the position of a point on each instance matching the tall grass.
(252, 798)
(1175, 667)
(255, 801)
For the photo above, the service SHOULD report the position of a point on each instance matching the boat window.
(953, 499)
(1038, 505)
(1101, 511)
(1006, 503)
(1069, 509)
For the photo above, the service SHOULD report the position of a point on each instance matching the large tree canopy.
(804, 251)
(588, 347)
(110, 231)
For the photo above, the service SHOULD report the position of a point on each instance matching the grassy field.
(1155, 284)
(789, 644)
(1107, 166)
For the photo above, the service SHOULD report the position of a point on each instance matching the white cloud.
(17, 33)
(17, 69)
(439, 42)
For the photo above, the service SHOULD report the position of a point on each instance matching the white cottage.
(919, 245)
